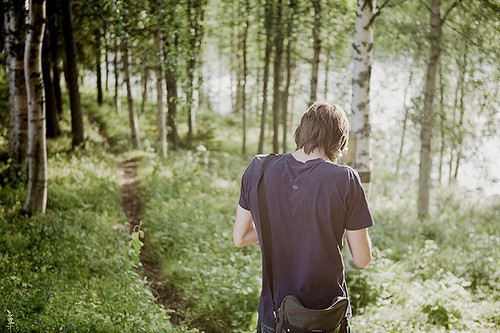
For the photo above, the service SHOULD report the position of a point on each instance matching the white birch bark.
(14, 24)
(362, 65)
(36, 194)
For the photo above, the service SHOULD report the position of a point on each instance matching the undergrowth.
(74, 269)
(436, 275)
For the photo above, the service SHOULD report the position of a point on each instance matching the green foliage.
(420, 279)
(190, 206)
(74, 268)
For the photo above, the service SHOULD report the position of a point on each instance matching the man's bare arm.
(244, 232)
(360, 246)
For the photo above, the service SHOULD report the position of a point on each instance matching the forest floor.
(132, 206)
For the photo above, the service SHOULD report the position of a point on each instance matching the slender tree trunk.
(15, 33)
(265, 79)
(291, 39)
(327, 71)
(317, 49)
(195, 21)
(162, 119)
(442, 122)
(72, 75)
(36, 193)
(278, 52)
(2, 26)
(54, 31)
(234, 63)
(436, 23)
(360, 144)
(189, 99)
(117, 98)
(172, 108)
(98, 71)
(285, 94)
(145, 79)
(106, 56)
(245, 74)
(461, 107)
(132, 114)
(405, 120)
(52, 114)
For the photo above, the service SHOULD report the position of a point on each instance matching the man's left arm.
(244, 232)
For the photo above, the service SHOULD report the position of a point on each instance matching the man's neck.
(301, 156)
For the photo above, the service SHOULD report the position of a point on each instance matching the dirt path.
(132, 206)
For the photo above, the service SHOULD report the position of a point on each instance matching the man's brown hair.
(323, 126)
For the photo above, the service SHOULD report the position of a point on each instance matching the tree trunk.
(359, 144)
(52, 13)
(265, 79)
(317, 49)
(327, 70)
(460, 126)
(15, 33)
(172, 108)
(72, 75)
(278, 52)
(52, 114)
(160, 103)
(117, 98)
(291, 39)
(36, 193)
(405, 120)
(145, 79)
(195, 13)
(442, 122)
(245, 74)
(97, 35)
(436, 23)
(106, 56)
(132, 114)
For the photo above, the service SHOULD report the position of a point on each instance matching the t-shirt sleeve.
(358, 212)
(244, 190)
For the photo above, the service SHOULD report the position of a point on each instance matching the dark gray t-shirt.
(309, 206)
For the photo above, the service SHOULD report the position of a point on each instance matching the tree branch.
(379, 11)
(448, 11)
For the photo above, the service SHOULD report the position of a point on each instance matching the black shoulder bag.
(292, 316)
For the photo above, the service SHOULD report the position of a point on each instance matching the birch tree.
(36, 194)
(426, 121)
(359, 146)
(15, 33)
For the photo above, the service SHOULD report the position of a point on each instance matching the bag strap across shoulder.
(265, 227)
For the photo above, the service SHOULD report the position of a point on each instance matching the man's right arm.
(360, 246)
